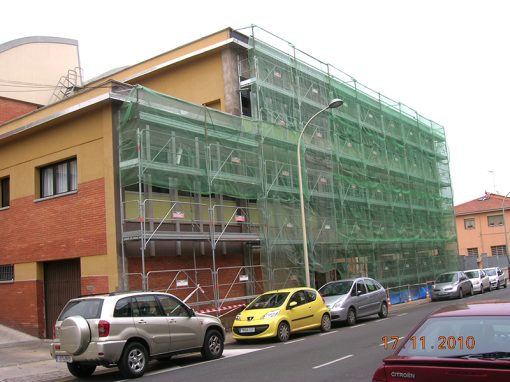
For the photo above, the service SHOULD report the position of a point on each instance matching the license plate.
(64, 358)
(246, 330)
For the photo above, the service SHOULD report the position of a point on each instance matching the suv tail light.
(103, 328)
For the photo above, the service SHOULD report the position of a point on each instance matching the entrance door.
(62, 282)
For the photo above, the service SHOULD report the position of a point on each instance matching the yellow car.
(281, 312)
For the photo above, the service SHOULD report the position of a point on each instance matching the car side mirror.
(292, 304)
(191, 312)
(359, 293)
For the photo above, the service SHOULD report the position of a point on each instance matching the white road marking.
(331, 332)
(227, 353)
(380, 319)
(401, 314)
(292, 342)
(336, 360)
(357, 326)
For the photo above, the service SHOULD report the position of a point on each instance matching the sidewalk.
(24, 358)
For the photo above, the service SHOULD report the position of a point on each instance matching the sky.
(447, 59)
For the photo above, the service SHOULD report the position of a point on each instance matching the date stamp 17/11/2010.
(423, 343)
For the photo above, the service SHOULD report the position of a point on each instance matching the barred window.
(498, 250)
(7, 272)
(472, 252)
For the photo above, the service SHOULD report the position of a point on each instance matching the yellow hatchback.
(281, 312)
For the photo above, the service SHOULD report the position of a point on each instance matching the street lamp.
(504, 227)
(332, 105)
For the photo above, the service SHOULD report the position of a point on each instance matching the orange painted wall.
(482, 236)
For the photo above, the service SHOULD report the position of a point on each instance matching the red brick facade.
(94, 285)
(230, 268)
(11, 108)
(22, 306)
(64, 227)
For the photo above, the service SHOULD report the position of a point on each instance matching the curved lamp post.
(332, 105)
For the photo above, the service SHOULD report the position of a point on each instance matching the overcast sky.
(447, 59)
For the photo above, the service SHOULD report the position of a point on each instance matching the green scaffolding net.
(377, 190)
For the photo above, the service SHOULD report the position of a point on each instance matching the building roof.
(36, 40)
(487, 203)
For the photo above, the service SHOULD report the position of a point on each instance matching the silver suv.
(129, 329)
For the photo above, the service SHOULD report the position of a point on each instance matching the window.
(4, 192)
(472, 252)
(498, 250)
(173, 307)
(89, 309)
(123, 308)
(495, 220)
(58, 178)
(7, 272)
(469, 223)
(146, 306)
(372, 285)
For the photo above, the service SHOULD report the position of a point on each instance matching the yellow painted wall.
(135, 70)
(199, 81)
(28, 271)
(86, 135)
(80, 136)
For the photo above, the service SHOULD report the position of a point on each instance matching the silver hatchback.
(351, 299)
(129, 329)
(451, 285)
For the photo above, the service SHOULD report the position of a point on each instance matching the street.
(344, 353)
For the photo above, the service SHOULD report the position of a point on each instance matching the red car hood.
(421, 369)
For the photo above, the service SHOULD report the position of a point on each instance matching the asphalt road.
(344, 354)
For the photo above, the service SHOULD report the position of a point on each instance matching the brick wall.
(10, 108)
(231, 287)
(54, 229)
(64, 227)
(22, 306)
(94, 285)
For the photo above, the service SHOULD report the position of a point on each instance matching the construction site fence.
(224, 298)
(407, 293)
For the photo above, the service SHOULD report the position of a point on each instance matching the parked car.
(129, 329)
(351, 299)
(279, 313)
(451, 284)
(479, 279)
(459, 343)
(497, 277)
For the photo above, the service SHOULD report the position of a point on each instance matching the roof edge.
(36, 40)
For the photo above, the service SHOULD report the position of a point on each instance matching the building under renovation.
(200, 192)
(378, 197)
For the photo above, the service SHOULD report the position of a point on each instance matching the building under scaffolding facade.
(211, 199)
(180, 174)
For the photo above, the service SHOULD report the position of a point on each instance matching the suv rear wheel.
(134, 360)
(80, 370)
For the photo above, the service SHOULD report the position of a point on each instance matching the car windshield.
(446, 278)
(472, 274)
(336, 288)
(269, 300)
(89, 308)
(491, 272)
(450, 337)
